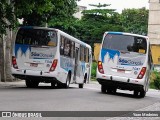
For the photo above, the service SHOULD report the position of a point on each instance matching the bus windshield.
(37, 37)
(126, 43)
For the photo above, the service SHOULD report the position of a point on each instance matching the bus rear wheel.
(31, 83)
(135, 93)
(142, 93)
(80, 85)
(103, 89)
(66, 85)
(53, 85)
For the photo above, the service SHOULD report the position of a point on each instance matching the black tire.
(103, 89)
(135, 93)
(80, 85)
(114, 90)
(28, 83)
(31, 83)
(53, 85)
(85, 78)
(109, 90)
(66, 85)
(142, 94)
(60, 85)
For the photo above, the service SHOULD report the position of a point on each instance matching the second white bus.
(124, 63)
(49, 55)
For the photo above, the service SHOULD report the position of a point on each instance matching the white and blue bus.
(52, 56)
(124, 63)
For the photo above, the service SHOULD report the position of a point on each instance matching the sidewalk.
(12, 84)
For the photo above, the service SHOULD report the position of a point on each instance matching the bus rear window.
(38, 37)
(125, 43)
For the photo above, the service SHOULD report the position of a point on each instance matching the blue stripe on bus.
(117, 33)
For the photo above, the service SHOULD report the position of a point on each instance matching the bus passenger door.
(76, 71)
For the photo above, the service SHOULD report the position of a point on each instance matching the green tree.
(135, 20)
(44, 11)
(7, 22)
(6, 16)
(34, 12)
(95, 22)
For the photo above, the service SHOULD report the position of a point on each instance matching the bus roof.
(125, 33)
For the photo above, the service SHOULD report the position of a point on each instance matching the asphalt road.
(14, 96)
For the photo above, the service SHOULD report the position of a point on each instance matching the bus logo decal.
(133, 62)
(110, 54)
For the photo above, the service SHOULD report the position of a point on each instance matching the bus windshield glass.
(37, 37)
(125, 43)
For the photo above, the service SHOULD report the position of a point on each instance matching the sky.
(119, 5)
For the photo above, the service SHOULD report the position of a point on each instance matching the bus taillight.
(142, 73)
(54, 64)
(14, 62)
(100, 67)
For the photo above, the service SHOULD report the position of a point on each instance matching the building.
(79, 14)
(154, 29)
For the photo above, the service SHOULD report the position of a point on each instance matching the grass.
(152, 86)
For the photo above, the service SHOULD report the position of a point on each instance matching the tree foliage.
(34, 12)
(135, 20)
(95, 22)
(42, 11)
(6, 16)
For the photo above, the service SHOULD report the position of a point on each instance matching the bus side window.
(82, 53)
(62, 45)
(67, 47)
(72, 49)
(87, 55)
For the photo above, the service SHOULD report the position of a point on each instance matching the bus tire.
(142, 93)
(81, 85)
(85, 78)
(109, 90)
(66, 85)
(135, 93)
(31, 83)
(53, 85)
(103, 89)
(114, 90)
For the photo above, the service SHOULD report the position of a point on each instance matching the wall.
(154, 29)
(97, 47)
(156, 53)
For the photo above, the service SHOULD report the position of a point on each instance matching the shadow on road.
(39, 87)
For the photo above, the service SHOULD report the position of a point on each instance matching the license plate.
(122, 71)
(33, 64)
